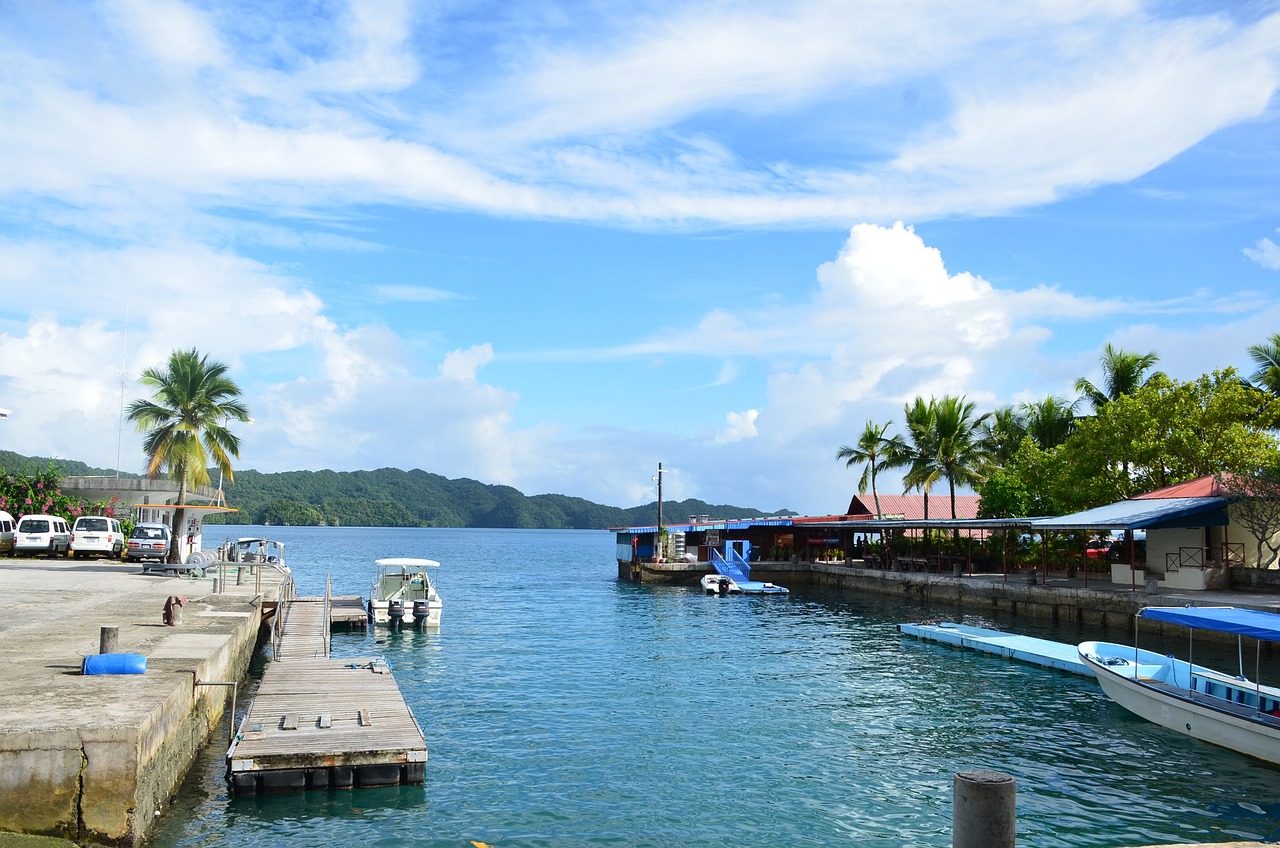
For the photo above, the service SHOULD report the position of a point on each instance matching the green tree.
(185, 421)
(1002, 432)
(921, 456)
(1049, 421)
(1123, 373)
(961, 456)
(875, 452)
(1266, 356)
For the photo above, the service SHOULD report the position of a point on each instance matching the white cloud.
(1266, 253)
(738, 426)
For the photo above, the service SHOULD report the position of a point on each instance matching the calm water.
(562, 707)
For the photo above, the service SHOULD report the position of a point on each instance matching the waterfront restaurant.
(1179, 537)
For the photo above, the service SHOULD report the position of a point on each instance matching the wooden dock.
(317, 722)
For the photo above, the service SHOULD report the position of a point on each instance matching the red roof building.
(1201, 487)
(911, 507)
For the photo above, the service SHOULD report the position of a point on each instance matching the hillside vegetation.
(390, 497)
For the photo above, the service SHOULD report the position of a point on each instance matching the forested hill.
(390, 497)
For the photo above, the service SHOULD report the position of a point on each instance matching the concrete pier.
(94, 758)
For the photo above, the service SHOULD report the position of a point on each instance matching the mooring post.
(983, 812)
(108, 638)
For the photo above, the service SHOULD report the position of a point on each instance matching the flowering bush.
(21, 494)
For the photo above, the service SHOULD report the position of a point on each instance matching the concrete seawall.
(94, 758)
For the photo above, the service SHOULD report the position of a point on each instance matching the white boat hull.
(718, 584)
(406, 582)
(1157, 689)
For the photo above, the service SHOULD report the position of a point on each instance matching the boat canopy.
(1244, 622)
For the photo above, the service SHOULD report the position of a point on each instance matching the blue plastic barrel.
(114, 664)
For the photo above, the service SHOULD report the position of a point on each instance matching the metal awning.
(1142, 514)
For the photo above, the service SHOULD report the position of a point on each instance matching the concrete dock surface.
(94, 758)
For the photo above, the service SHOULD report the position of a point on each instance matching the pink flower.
(40, 485)
(28, 501)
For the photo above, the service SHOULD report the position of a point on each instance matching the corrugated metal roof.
(1142, 513)
(912, 506)
(1201, 487)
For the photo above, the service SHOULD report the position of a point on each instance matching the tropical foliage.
(874, 451)
(1039, 458)
(185, 422)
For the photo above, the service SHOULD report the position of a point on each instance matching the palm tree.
(1050, 421)
(1267, 357)
(877, 452)
(921, 456)
(1001, 432)
(961, 455)
(185, 421)
(1123, 374)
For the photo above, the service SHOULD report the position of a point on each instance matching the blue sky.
(551, 245)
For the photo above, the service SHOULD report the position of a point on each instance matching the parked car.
(7, 526)
(1098, 548)
(148, 541)
(41, 534)
(97, 534)
(1119, 551)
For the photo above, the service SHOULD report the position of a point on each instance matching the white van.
(7, 526)
(41, 534)
(97, 534)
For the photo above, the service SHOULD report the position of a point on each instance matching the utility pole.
(658, 535)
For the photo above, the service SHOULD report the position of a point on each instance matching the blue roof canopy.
(1243, 622)
(1142, 513)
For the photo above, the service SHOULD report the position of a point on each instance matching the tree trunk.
(179, 517)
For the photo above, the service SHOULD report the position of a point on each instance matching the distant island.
(391, 497)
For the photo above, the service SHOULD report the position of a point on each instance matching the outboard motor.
(395, 611)
(724, 585)
(420, 612)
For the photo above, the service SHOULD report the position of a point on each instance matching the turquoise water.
(563, 707)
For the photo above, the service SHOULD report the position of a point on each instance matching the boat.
(719, 584)
(404, 593)
(254, 550)
(733, 574)
(1227, 710)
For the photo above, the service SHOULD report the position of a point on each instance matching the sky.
(552, 245)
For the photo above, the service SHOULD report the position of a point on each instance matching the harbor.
(532, 698)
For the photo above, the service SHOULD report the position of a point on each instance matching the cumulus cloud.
(1266, 253)
(738, 426)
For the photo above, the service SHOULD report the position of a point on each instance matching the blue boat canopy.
(1244, 622)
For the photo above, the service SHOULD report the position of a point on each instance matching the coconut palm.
(962, 458)
(877, 452)
(1001, 433)
(185, 422)
(1267, 357)
(1049, 421)
(1123, 373)
(921, 458)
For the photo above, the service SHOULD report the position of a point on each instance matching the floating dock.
(317, 722)
(1043, 652)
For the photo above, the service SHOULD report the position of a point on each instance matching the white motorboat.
(1223, 709)
(719, 584)
(404, 593)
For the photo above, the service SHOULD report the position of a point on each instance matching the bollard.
(983, 812)
(108, 639)
(173, 610)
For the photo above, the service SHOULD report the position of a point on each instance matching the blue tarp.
(1245, 622)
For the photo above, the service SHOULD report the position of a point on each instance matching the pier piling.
(983, 813)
